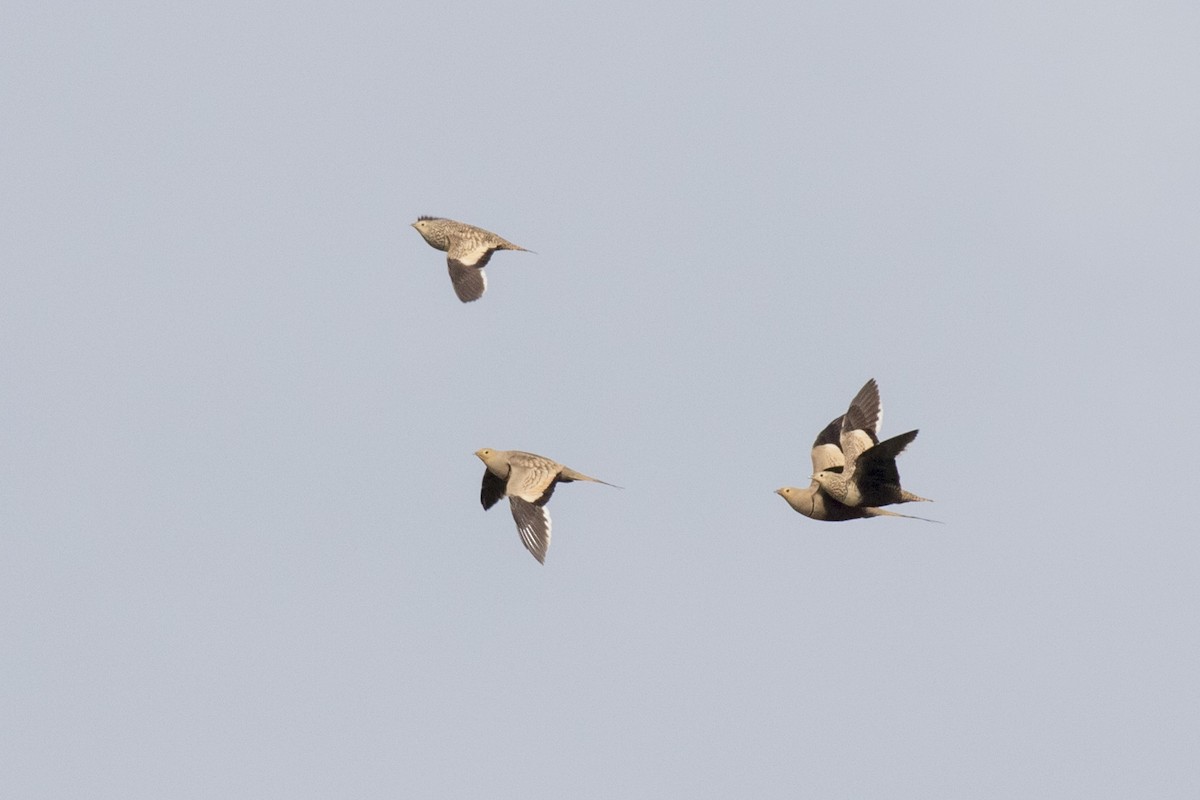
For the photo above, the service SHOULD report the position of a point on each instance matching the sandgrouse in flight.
(467, 251)
(527, 480)
(869, 477)
(812, 501)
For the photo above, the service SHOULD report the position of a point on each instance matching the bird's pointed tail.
(882, 512)
(507, 245)
(569, 474)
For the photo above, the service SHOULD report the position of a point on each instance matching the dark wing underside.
(876, 470)
(875, 474)
(492, 491)
(831, 435)
(469, 282)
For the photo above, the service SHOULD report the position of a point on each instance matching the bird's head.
(495, 462)
(432, 231)
(799, 499)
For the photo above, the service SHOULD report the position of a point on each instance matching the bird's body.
(873, 480)
(812, 501)
(815, 504)
(868, 477)
(467, 249)
(528, 481)
(835, 452)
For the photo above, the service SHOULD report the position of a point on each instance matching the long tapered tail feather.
(880, 512)
(569, 474)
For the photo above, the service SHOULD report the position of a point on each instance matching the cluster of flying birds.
(853, 472)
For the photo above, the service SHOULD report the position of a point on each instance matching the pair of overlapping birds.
(854, 473)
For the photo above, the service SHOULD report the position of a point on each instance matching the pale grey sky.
(243, 549)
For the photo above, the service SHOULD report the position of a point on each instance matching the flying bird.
(855, 431)
(528, 480)
(868, 477)
(467, 249)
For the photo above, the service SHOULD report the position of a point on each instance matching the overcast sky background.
(243, 552)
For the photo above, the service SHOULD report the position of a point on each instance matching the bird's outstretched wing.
(469, 281)
(492, 489)
(533, 524)
(860, 424)
(876, 471)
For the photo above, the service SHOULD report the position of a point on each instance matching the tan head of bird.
(494, 463)
(825, 477)
(799, 499)
(431, 232)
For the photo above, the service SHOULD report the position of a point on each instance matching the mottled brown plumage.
(855, 433)
(869, 476)
(467, 249)
(528, 480)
